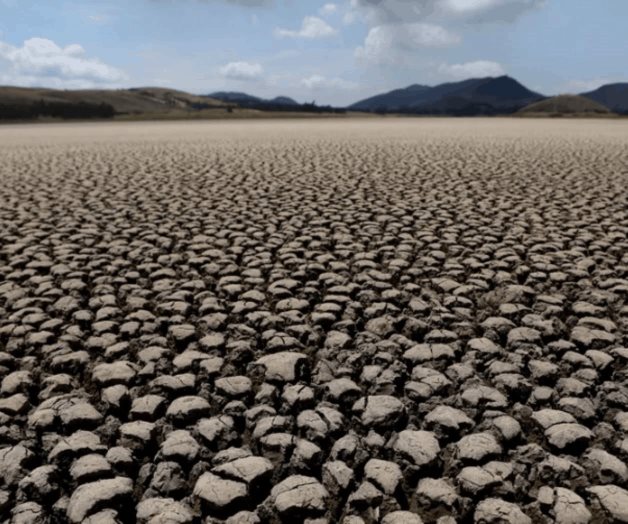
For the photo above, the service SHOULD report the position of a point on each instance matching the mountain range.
(565, 105)
(476, 96)
(246, 100)
(140, 100)
(612, 96)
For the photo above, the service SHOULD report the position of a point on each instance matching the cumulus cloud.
(98, 19)
(398, 27)
(328, 9)
(384, 43)
(490, 10)
(466, 6)
(242, 71)
(245, 3)
(311, 27)
(477, 69)
(381, 11)
(377, 12)
(40, 61)
(323, 82)
(251, 3)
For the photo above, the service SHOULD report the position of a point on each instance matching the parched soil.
(357, 321)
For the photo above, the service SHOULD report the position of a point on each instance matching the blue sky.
(335, 51)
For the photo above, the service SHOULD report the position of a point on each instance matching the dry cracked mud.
(395, 321)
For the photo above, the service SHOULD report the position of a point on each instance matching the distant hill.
(246, 100)
(23, 103)
(491, 95)
(285, 100)
(565, 105)
(476, 96)
(234, 96)
(124, 101)
(278, 104)
(613, 96)
(393, 100)
(176, 99)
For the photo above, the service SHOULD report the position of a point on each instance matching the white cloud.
(311, 27)
(504, 10)
(466, 6)
(242, 71)
(328, 9)
(399, 27)
(384, 43)
(42, 62)
(396, 11)
(98, 19)
(351, 14)
(321, 82)
(244, 3)
(477, 69)
(251, 3)
(376, 12)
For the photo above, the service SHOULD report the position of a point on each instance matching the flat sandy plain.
(395, 321)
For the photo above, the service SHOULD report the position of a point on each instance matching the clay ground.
(357, 321)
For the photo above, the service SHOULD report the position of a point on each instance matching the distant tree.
(63, 110)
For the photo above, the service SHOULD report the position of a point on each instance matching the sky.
(331, 52)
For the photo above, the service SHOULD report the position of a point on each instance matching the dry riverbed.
(356, 321)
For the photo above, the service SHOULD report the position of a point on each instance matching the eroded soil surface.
(394, 321)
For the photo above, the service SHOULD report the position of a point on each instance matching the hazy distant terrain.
(479, 96)
(140, 100)
(17, 103)
(613, 96)
(244, 100)
(500, 95)
(565, 105)
(488, 96)
(376, 320)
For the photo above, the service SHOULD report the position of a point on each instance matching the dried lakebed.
(395, 321)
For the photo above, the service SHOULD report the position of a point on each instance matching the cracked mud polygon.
(350, 321)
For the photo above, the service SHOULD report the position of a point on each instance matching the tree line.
(269, 105)
(63, 110)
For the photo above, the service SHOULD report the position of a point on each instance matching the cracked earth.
(357, 321)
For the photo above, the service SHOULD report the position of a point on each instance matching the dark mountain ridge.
(490, 95)
(565, 105)
(234, 96)
(612, 96)
(392, 100)
(475, 96)
(28, 103)
(279, 103)
(246, 100)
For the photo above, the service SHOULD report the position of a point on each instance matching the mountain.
(246, 100)
(23, 103)
(492, 95)
(279, 104)
(565, 105)
(123, 101)
(284, 100)
(613, 96)
(176, 99)
(393, 100)
(235, 97)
